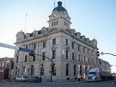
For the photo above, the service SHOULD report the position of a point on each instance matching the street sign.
(26, 50)
(16, 48)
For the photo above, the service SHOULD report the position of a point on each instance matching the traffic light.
(97, 53)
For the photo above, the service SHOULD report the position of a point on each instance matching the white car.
(22, 78)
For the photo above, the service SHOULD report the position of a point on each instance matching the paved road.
(57, 84)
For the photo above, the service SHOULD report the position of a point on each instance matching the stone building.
(105, 66)
(72, 54)
(6, 66)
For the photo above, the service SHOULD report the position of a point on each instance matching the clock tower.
(59, 18)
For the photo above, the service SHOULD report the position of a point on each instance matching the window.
(84, 59)
(54, 69)
(78, 47)
(66, 54)
(66, 41)
(67, 69)
(74, 70)
(34, 46)
(23, 70)
(17, 59)
(53, 54)
(81, 70)
(27, 47)
(43, 55)
(25, 58)
(65, 23)
(72, 45)
(72, 56)
(42, 69)
(54, 23)
(54, 41)
(79, 59)
(86, 70)
(32, 70)
(44, 44)
(34, 58)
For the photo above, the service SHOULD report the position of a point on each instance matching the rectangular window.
(72, 56)
(27, 47)
(44, 44)
(79, 59)
(42, 70)
(34, 58)
(65, 23)
(84, 59)
(53, 54)
(54, 41)
(25, 58)
(52, 23)
(66, 42)
(78, 47)
(43, 56)
(72, 45)
(17, 59)
(56, 22)
(66, 54)
(34, 46)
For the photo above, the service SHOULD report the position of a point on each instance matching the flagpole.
(25, 22)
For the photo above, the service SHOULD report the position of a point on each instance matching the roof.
(104, 62)
(59, 7)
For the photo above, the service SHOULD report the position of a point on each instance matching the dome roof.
(59, 7)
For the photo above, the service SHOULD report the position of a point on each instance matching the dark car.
(34, 79)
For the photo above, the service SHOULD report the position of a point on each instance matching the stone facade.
(72, 54)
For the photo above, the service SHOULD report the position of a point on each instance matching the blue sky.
(93, 18)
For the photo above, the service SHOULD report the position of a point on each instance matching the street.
(57, 84)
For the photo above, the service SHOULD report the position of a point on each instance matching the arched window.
(67, 69)
(41, 69)
(16, 71)
(23, 70)
(54, 69)
(74, 70)
(85, 70)
(32, 70)
(81, 70)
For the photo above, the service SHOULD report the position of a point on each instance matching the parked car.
(34, 79)
(22, 78)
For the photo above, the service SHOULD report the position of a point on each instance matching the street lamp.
(102, 53)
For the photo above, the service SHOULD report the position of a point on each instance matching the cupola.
(59, 18)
